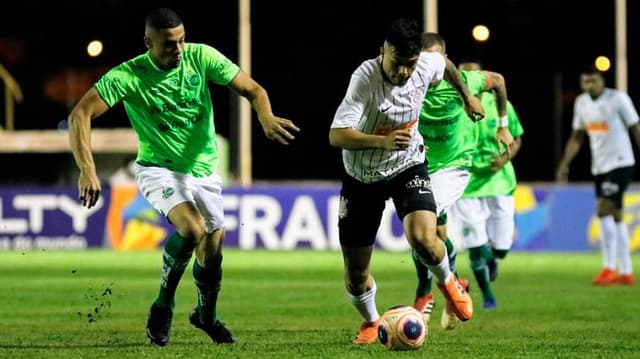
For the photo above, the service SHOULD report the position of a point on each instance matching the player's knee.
(192, 228)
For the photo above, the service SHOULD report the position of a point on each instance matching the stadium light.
(94, 48)
(480, 33)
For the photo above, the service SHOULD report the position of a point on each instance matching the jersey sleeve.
(515, 127)
(435, 63)
(577, 123)
(115, 85)
(351, 109)
(627, 110)
(219, 69)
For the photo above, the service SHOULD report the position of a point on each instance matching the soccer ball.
(402, 328)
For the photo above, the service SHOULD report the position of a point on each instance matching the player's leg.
(159, 187)
(606, 210)
(207, 224)
(468, 222)
(501, 230)
(415, 205)
(359, 215)
(622, 177)
(448, 185)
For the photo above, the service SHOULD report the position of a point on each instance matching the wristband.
(503, 121)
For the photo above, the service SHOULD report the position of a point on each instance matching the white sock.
(624, 253)
(441, 270)
(365, 303)
(608, 239)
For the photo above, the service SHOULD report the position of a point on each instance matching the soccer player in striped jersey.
(167, 99)
(607, 116)
(451, 139)
(482, 220)
(384, 157)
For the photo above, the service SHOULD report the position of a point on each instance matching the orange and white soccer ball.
(402, 328)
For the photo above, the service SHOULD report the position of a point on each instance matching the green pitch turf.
(93, 304)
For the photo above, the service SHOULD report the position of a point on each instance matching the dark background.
(304, 53)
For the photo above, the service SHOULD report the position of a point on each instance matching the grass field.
(93, 304)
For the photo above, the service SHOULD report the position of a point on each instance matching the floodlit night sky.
(304, 54)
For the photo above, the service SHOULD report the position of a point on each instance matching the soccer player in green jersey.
(482, 220)
(450, 137)
(166, 96)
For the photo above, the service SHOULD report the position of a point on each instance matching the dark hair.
(163, 18)
(430, 39)
(473, 60)
(405, 35)
(590, 70)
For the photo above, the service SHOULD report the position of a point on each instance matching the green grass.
(293, 305)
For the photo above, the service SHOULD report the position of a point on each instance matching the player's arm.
(501, 159)
(274, 127)
(351, 139)
(571, 149)
(472, 104)
(635, 132)
(89, 107)
(495, 82)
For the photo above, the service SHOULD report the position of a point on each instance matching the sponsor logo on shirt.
(386, 131)
(595, 127)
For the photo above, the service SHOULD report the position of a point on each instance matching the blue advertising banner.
(283, 217)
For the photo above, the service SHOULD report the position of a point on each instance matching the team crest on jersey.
(193, 80)
(167, 192)
(342, 208)
(416, 96)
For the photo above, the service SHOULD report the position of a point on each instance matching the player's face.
(397, 69)
(593, 84)
(165, 46)
(469, 66)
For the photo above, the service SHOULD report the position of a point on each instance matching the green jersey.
(449, 134)
(484, 182)
(171, 111)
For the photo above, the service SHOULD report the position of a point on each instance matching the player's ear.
(147, 42)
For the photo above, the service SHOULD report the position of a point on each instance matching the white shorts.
(165, 189)
(473, 222)
(448, 185)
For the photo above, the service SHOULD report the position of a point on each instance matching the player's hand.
(499, 161)
(562, 173)
(473, 108)
(503, 135)
(278, 129)
(89, 189)
(397, 140)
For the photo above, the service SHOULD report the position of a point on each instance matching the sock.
(500, 253)
(365, 303)
(624, 253)
(481, 272)
(452, 254)
(208, 281)
(424, 275)
(487, 252)
(608, 230)
(175, 258)
(440, 270)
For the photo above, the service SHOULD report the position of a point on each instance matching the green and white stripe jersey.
(171, 111)
(484, 182)
(374, 106)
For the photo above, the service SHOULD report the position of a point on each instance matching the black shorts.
(613, 184)
(362, 204)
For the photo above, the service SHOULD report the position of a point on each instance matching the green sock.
(481, 272)
(451, 251)
(208, 280)
(175, 258)
(487, 252)
(424, 275)
(500, 253)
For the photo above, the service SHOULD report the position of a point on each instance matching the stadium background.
(304, 56)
